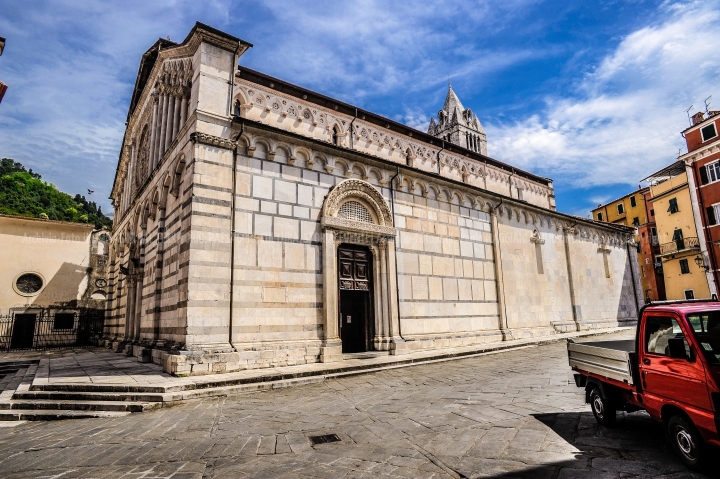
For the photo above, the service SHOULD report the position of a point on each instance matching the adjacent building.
(636, 210)
(702, 167)
(260, 224)
(53, 274)
(680, 248)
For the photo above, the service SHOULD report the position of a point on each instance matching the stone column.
(397, 343)
(567, 238)
(169, 123)
(176, 118)
(163, 128)
(331, 349)
(183, 111)
(499, 282)
(153, 127)
(380, 342)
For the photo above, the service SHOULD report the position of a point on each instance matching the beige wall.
(58, 252)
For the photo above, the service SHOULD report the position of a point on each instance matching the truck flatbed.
(611, 359)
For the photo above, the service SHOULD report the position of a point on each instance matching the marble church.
(260, 224)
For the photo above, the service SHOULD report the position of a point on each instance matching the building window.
(710, 173)
(684, 267)
(652, 212)
(713, 213)
(633, 202)
(29, 283)
(708, 132)
(673, 206)
(621, 209)
(636, 222)
(600, 217)
(64, 321)
(689, 294)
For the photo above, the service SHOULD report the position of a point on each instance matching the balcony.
(684, 244)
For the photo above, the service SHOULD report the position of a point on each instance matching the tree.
(23, 193)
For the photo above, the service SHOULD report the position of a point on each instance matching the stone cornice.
(700, 153)
(388, 144)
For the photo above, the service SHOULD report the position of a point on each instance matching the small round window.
(29, 283)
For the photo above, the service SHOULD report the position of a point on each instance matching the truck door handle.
(646, 361)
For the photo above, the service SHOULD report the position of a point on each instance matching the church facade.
(260, 224)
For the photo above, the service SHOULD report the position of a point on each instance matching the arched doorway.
(358, 225)
(355, 298)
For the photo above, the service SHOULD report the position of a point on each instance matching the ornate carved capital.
(205, 139)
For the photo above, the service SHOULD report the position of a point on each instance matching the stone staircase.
(19, 403)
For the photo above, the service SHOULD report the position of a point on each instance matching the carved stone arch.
(287, 149)
(178, 170)
(358, 189)
(379, 175)
(422, 186)
(359, 169)
(345, 164)
(264, 143)
(154, 202)
(455, 197)
(165, 190)
(308, 116)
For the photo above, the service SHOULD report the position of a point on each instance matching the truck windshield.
(706, 326)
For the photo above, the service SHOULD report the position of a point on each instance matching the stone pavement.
(509, 414)
(102, 367)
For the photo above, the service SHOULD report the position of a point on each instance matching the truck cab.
(671, 370)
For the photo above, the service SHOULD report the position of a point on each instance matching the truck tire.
(686, 442)
(603, 411)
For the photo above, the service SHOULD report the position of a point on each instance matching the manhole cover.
(324, 439)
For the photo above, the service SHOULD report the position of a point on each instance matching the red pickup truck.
(671, 370)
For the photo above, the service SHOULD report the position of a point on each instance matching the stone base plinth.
(331, 352)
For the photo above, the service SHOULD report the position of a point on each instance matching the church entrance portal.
(356, 302)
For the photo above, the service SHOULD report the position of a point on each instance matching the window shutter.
(711, 215)
(703, 176)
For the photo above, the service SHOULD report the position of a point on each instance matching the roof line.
(323, 100)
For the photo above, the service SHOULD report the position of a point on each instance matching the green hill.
(24, 193)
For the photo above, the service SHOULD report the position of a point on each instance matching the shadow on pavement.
(635, 447)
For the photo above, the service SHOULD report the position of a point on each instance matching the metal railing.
(679, 245)
(51, 329)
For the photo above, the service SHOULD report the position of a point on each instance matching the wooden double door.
(355, 296)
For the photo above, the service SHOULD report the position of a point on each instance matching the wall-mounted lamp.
(700, 261)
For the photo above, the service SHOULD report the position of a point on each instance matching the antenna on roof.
(707, 103)
(688, 114)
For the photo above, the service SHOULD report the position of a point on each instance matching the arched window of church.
(336, 136)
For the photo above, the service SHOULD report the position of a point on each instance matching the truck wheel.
(686, 441)
(604, 412)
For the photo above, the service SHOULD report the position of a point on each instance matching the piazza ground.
(510, 414)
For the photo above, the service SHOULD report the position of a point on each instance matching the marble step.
(73, 405)
(53, 415)
(92, 396)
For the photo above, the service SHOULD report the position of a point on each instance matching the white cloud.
(624, 119)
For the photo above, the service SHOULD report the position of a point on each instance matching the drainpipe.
(632, 276)
(352, 143)
(442, 143)
(573, 304)
(499, 281)
(232, 232)
(397, 283)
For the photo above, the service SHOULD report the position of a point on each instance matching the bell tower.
(458, 125)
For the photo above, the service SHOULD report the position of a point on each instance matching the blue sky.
(590, 93)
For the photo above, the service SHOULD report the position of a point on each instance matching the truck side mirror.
(676, 348)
